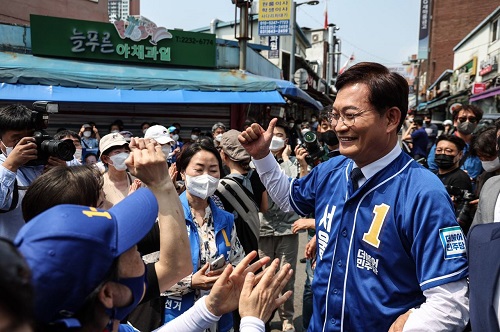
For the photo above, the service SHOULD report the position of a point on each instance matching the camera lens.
(61, 149)
(309, 137)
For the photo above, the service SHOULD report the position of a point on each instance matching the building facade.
(18, 11)
(118, 9)
(451, 21)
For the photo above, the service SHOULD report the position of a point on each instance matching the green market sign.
(130, 40)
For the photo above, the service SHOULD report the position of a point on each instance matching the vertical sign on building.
(274, 43)
(423, 37)
(274, 17)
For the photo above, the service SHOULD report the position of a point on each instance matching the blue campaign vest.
(223, 224)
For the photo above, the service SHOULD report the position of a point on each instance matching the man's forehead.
(279, 130)
(465, 113)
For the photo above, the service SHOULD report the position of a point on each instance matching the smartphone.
(217, 263)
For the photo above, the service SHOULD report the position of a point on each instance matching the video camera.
(463, 210)
(314, 149)
(46, 145)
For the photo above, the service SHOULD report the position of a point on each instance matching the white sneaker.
(288, 327)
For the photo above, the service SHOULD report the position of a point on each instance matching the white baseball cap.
(159, 134)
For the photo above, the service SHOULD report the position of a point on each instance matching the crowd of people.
(162, 233)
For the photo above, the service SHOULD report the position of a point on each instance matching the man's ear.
(393, 116)
(106, 294)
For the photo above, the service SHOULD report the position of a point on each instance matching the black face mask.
(444, 161)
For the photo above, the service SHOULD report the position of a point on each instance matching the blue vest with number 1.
(223, 225)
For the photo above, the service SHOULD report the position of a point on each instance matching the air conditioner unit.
(316, 37)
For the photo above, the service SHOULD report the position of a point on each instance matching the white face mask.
(78, 154)
(202, 186)
(166, 150)
(114, 131)
(144, 131)
(8, 149)
(491, 165)
(119, 161)
(291, 124)
(194, 137)
(304, 131)
(277, 143)
(218, 138)
(87, 134)
(175, 137)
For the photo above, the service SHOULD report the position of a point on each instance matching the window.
(495, 30)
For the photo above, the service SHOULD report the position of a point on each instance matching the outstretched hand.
(256, 140)
(262, 299)
(225, 293)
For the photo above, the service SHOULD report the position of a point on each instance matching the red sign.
(478, 88)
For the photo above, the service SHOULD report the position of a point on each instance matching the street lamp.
(292, 28)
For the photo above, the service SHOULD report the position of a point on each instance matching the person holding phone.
(211, 231)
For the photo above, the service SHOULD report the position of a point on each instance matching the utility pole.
(293, 14)
(332, 42)
(244, 27)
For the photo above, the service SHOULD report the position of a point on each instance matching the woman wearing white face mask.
(211, 230)
(118, 183)
(217, 130)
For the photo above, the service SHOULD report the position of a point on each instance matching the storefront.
(136, 72)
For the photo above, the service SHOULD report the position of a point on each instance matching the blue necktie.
(356, 175)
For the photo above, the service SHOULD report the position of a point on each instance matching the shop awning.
(20, 92)
(289, 89)
(26, 77)
(486, 94)
(437, 102)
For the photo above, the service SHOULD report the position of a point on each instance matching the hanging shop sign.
(274, 43)
(478, 88)
(274, 17)
(488, 65)
(423, 36)
(130, 40)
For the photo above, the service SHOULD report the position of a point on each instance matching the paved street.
(300, 276)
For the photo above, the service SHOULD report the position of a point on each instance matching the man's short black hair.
(61, 134)
(15, 117)
(459, 143)
(282, 124)
(418, 121)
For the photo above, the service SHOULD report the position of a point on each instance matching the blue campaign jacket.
(223, 224)
(379, 247)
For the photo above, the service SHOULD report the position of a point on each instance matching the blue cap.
(71, 249)
(171, 129)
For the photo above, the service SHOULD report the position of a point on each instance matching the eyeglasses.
(472, 119)
(347, 119)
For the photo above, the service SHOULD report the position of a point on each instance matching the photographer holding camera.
(22, 161)
(449, 152)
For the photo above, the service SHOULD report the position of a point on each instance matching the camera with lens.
(314, 149)
(463, 210)
(46, 145)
